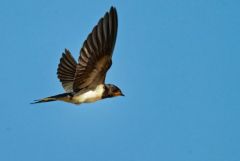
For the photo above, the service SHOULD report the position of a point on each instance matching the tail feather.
(63, 96)
(48, 99)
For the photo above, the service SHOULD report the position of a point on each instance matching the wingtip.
(66, 50)
(113, 9)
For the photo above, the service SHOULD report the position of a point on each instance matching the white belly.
(89, 96)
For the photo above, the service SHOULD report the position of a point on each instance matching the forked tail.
(62, 97)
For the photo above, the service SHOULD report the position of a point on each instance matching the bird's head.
(112, 91)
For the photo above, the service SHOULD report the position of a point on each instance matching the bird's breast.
(89, 96)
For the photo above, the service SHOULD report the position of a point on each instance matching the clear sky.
(176, 61)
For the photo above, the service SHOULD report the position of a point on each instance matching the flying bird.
(84, 82)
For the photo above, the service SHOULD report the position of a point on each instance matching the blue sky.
(177, 62)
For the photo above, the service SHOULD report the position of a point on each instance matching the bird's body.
(89, 96)
(84, 82)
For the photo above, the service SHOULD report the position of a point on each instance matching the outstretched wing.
(66, 71)
(96, 54)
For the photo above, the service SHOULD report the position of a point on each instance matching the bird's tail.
(62, 97)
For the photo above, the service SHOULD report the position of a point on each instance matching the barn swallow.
(84, 82)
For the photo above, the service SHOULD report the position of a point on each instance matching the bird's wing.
(66, 71)
(96, 54)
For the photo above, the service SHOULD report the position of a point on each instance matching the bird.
(84, 82)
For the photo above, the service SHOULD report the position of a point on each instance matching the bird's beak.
(118, 94)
